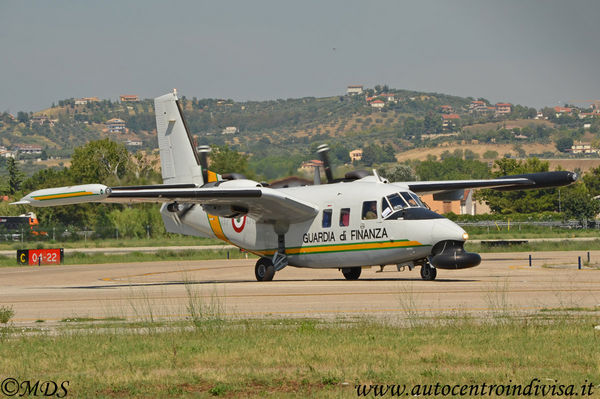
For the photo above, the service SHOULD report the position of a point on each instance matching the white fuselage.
(348, 240)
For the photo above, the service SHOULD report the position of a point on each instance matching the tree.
(578, 203)
(564, 143)
(223, 159)
(15, 176)
(22, 117)
(519, 201)
(101, 161)
(592, 181)
(398, 173)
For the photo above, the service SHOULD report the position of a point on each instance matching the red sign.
(52, 256)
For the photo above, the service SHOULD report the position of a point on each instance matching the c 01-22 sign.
(53, 256)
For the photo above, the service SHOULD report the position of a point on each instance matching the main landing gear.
(264, 270)
(351, 273)
(428, 272)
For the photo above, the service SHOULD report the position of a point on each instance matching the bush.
(6, 313)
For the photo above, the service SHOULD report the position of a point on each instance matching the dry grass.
(300, 358)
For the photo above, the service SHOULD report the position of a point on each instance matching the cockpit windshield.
(393, 204)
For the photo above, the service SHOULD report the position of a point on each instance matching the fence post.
(588, 254)
(529, 260)
(579, 262)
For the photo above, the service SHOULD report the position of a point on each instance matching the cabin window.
(369, 210)
(327, 217)
(344, 217)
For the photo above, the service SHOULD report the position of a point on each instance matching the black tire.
(351, 273)
(428, 273)
(264, 270)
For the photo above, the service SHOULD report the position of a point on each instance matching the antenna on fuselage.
(323, 151)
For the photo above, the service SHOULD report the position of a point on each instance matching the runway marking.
(167, 272)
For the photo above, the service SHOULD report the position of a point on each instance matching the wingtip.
(20, 203)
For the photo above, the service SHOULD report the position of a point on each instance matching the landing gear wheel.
(264, 270)
(428, 272)
(351, 273)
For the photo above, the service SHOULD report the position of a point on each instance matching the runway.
(159, 290)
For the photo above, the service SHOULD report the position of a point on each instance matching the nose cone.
(444, 229)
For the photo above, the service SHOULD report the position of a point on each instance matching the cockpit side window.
(327, 217)
(411, 201)
(369, 210)
(396, 202)
(344, 217)
(416, 198)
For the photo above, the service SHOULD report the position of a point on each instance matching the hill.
(407, 122)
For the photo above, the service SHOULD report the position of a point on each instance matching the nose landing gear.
(428, 272)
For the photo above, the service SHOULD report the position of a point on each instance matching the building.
(354, 89)
(447, 109)
(309, 166)
(230, 130)
(478, 106)
(449, 120)
(563, 111)
(133, 143)
(86, 100)
(42, 120)
(390, 97)
(129, 98)
(582, 148)
(115, 125)
(465, 206)
(5, 153)
(356, 155)
(29, 149)
(503, 108)
(377, 104)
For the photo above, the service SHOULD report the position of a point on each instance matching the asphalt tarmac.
(504, 282)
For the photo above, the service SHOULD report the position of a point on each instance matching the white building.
(354, 89)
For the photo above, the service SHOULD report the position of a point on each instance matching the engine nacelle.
(227, 211)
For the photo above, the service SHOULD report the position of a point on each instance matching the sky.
(535, 52)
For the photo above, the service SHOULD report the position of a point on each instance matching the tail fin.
(178, 157)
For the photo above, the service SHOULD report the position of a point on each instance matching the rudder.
(179, 160)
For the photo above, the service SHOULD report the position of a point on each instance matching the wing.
(506, 183)
(263, 204)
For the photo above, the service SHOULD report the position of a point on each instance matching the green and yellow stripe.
(348, 247)
(74, 194)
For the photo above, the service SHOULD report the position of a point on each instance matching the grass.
(537, 246)
(174, 240)
(80, 258)
(526, 231)
(305, 358)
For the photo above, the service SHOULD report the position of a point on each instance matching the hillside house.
(133, 143)
(29, 149)
(503, 108)
(354, 89)
(465, 206)
(230, 130)
(115, 125)
(478, 106)
(309, 166)
(42, 120)
(563, 111)
(377, 104)
(356, 155)
(449, 120)
(86, 100)
(582, 148)
(447, 109)
(129, 98)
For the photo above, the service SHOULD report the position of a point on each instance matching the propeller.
(323, 151)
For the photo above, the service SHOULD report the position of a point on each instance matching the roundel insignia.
(238, 223)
